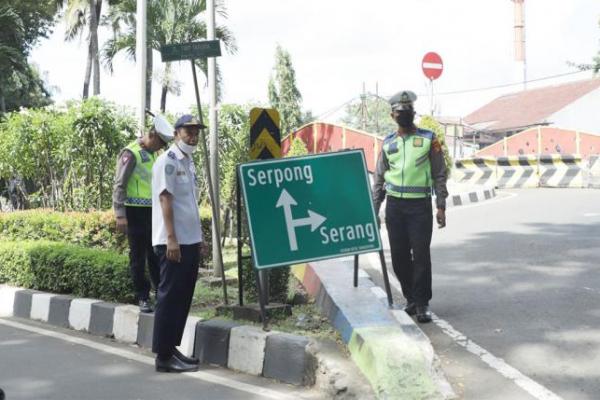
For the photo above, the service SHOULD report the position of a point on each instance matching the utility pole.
(520, 54)
(140, 51)
(363, 108)
(214, 140)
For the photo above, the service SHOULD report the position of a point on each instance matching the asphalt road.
(519, 277)
(40, 362)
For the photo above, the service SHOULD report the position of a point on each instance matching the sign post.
(191, 51)
(432, 66)
(310, 208)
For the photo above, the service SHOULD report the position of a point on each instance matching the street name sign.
(190, 50)
(309, 208)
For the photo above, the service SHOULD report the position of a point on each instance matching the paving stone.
(60, 307)
(125, 323)
(145, 330)
(102, 318)
(189, 336)
(247, 349)
(40, 306)
(287, 359)
(7, 300)
(22, 307)
(212, 341)
(80, 313)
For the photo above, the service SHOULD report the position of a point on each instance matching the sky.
(337, 45)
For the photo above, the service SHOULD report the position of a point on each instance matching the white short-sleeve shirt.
(176, 173)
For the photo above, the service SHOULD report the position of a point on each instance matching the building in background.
(573, 106)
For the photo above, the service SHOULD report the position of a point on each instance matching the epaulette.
(389, 137)
(425, 133)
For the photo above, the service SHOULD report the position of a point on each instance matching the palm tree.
(169, 21)
(12, 55)
(79, 15)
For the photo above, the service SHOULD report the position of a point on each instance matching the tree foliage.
(371, 114)
(65, 158)
(169, 21)
(429, 123)
(283, 92)
(22, 23)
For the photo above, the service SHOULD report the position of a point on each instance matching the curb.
(474, 196)
(248, 349)
(387, 346)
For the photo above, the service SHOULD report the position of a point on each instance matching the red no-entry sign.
(432, 65)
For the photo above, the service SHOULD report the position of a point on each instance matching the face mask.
(405, 118)
(186, 148)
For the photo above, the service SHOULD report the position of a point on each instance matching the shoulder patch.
(169, 169)
(425, 134)
(389, 137)
(171, 155)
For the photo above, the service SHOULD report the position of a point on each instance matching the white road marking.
(499, 365)
(130, 355)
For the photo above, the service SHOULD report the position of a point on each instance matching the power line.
(506, 84)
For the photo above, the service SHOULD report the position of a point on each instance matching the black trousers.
(175, 293)
(409, 224)
(139, 235)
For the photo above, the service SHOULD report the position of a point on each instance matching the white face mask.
(186, 148)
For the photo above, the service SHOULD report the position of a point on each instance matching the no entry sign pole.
(432, 66)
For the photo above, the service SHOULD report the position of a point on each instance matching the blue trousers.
(175, 293)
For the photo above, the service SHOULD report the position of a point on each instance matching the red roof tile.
(529, 107)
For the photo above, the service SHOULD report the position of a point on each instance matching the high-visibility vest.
(139, 186)
(409, 173)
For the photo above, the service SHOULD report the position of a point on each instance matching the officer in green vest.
(410, 165)
(132, 203)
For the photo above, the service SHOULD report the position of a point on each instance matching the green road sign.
(190, 51)
(309, 208)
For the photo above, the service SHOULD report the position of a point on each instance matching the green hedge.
(67, 269)
(94, 229)
(91, 230)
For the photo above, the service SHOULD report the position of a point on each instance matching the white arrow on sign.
(314, 220)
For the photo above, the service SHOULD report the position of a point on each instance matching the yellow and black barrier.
(594, 172)
(477, 171)
(517, 172)
(561, 171)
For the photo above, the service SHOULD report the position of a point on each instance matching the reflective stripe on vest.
(409, 175)
(139, 189)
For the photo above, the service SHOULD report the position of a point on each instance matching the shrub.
(68, 269)
(94, 229)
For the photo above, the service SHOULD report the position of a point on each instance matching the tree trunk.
(165, 88)
(149, 64)
(2, 104)
(96, 20)
(88, 73)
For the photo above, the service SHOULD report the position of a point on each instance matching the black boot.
(184, 358)
(173, 364)
(145, 306)
(423, 314)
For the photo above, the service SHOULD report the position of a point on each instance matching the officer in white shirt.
(178, 243)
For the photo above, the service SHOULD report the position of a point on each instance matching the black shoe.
(145, 306)
(410, 309)
(174, 364)
(423, 314)
(188, 360)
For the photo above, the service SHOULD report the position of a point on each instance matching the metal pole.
(356, 270)
(239, 239)
(140, 51)
(215, 210)
(431, 97)
(386, 279)
(213, 129)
